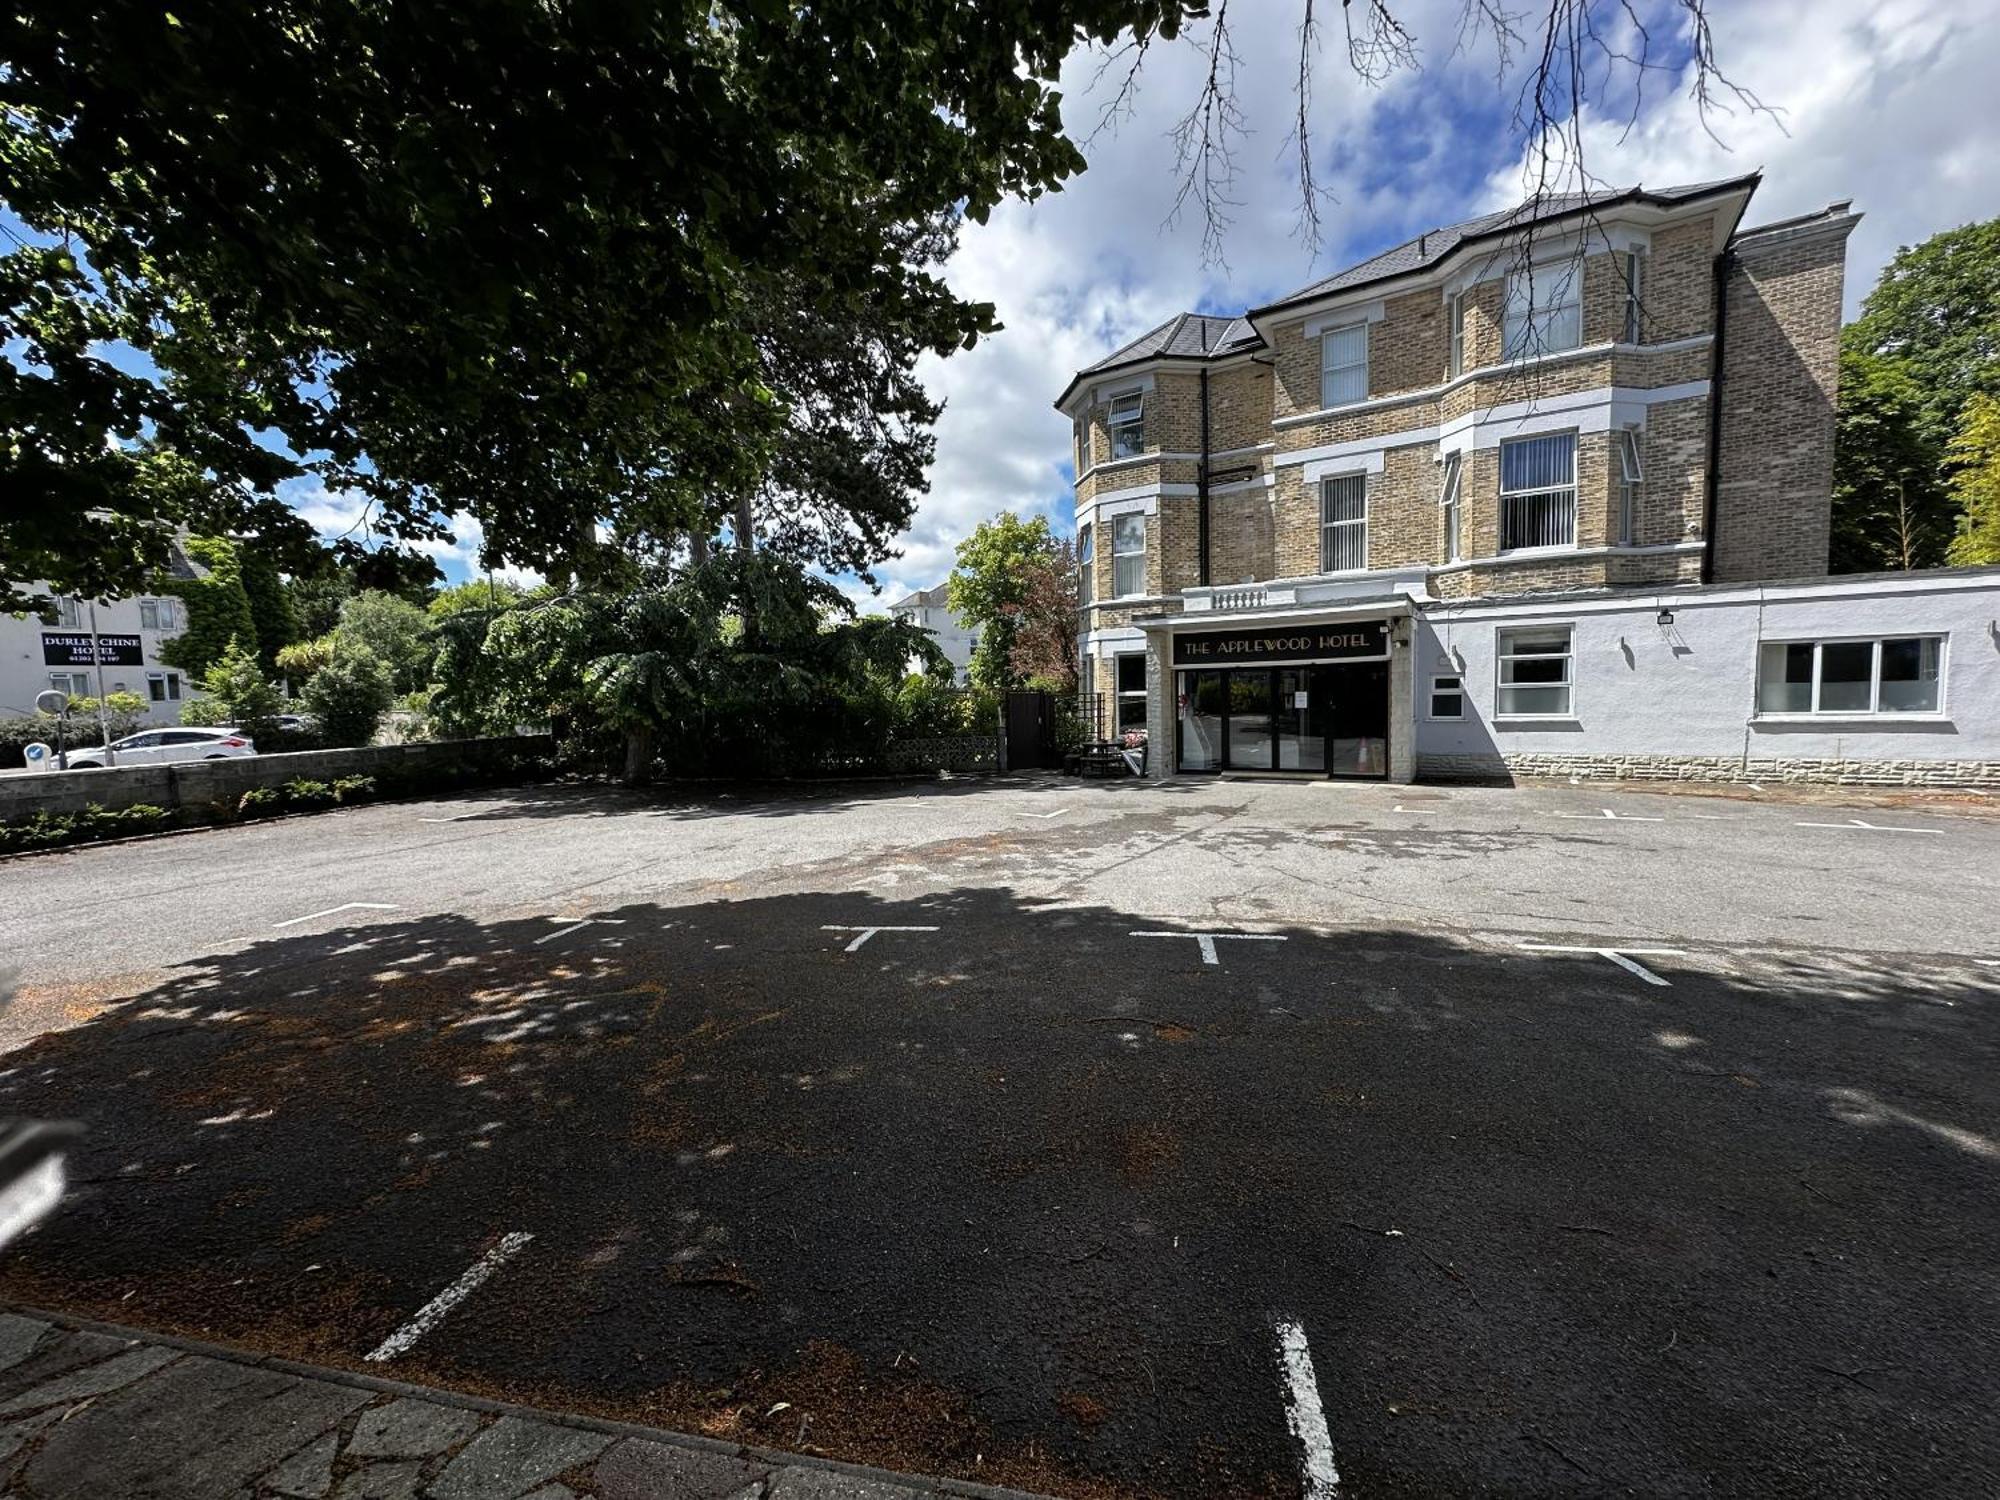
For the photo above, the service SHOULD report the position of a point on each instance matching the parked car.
(154, 746)
(298, 723)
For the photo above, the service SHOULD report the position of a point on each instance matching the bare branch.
(1204, 153)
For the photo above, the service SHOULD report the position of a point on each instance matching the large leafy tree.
(1926, 344)
(990, 587)
(1044, 649)
(499, 257)
(1975, 454)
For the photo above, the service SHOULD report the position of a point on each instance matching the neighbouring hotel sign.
(72, 649)
(1223, 648)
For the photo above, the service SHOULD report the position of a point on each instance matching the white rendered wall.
(1689, 688)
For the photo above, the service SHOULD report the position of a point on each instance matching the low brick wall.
(197, 783)
(1976, 773)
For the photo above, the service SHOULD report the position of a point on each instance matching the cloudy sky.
(1891, 103)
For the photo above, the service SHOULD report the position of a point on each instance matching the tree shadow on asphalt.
(1018, 1198)
(717, 799)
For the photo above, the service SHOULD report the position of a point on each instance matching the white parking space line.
(869, 932)
(578, 927)
(1304, 1414)
(1871, 827)
(1619, 956)
(314, 916)
(1615, 817)
(433, 1311)
(459, 818)
(1988, 963)
(1056, 814)
(1206, 940)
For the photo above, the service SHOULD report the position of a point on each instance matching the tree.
(1890, 506)
(238, 692)
(271, 611)
(394, 631)
(989, 587)
(1975, 452)
(349, 695)
(480, 596)
(1044, 650)
(217, 604)
(1926, 344)
(663, 671)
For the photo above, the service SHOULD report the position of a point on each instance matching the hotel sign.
(74, 651)
(1225, 648)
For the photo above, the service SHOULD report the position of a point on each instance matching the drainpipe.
(1723, 263)
(1201, 488)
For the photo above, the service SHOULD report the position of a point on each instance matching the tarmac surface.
(1093, 1139)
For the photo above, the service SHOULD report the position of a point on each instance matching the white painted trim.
(1366, 462)
(1222, 453)
(1564, 554)
(1487, 372)
(1103, 391)
(1094, 511)
(1135, 460)
(1346, 317)
(1716, 596)
(1114, 635)
(1257, 482)
(1140, 492)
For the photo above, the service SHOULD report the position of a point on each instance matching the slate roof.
(1199, 336)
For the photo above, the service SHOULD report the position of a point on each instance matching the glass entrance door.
(1301, 719)
(1358, 718)
(1204, 698)
(1246, 734)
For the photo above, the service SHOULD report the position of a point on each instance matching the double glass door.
(1332, 719)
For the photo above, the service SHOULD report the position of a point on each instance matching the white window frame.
(1815, 710)
(1332, 531)
(67, 611)
(1126, 424)
(1503, 639)
(1333, 374)
(149, 614)
(1122, 528)
(1538, 492)
(1633, 270)
(1451, 506)
(1086, 564)
(1438, 689)
(66, 683)
(1455, 317)
(1628, 451)
(1544, 313)
(1079, 446)
(169, 687)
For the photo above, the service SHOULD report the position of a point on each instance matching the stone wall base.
(1979, 773)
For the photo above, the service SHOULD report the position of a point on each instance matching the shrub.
(353, 789)
(260, 802)
(204, 713)
(300, 793)
(236, 685)
(348, 696)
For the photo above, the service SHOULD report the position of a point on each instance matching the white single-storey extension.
(1886, 678)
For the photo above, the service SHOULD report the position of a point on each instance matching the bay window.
(1448, 503)
(1544, 309)
(1127, 424)
(1086, 562)
(1538, 492)
(1128, 555)
(1892, 675)
(1632, 268)
(1132, 693)
(1534, 672)
(1343, 365)
(1456, 313)
(1631, 481)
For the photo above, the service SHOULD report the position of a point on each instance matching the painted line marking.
(1871, 827)
(1605, 812)
(1988, 963)
(1206, 940)
(577, 927)
(869, 932)
(433, 1311)
(1619, 956)
(460, 818)
(1056, 814)
(1304, 1414)
(314, 916)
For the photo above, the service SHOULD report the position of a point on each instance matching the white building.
(38, 654)
(930, 609)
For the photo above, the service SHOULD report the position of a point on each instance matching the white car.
(154, 746)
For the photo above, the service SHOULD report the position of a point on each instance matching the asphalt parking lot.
(1099, 1139)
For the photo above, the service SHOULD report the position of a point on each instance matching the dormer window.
(1127, 425)
(1544, 309)
(1343, 365)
